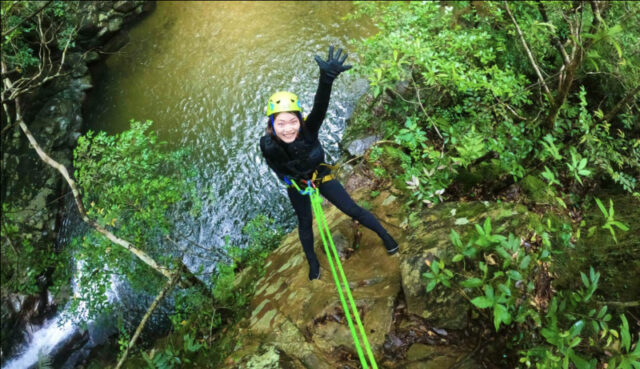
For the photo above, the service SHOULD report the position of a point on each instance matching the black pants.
(336, 194)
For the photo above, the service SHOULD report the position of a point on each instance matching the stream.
(202, 72)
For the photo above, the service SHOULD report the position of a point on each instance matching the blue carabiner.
(287, 181)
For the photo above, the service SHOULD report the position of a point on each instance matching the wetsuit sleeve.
(320, 104)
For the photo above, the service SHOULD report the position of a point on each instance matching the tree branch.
(422, 107)
(612, 113)
(531, 59)
(165, 290)
(623, 304)
(83, 214)
(554, 37)
(26, 19)
(571, 69)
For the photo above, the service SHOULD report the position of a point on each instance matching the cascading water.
(202, 71)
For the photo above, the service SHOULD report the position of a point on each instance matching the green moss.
(536, 190)
(485, 172)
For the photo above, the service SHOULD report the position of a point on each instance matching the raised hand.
(334, 65)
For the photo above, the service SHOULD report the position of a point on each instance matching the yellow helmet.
(283, 101)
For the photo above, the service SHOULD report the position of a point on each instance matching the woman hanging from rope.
(292, 150)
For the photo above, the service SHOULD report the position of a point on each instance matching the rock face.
(359, 146)
(295, 323)
(303, 320)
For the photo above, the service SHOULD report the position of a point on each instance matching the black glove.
(333, 66)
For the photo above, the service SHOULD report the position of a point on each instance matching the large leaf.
(482, 302)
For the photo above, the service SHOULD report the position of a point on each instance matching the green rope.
(323, 229)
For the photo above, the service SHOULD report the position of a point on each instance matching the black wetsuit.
(298, 160)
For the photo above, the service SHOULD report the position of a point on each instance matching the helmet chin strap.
(273, 128)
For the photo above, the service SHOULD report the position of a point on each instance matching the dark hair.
(272, 118)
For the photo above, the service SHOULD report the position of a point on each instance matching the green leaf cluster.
(22, 47)
(23, 262)
(501, 277)
(132, 185)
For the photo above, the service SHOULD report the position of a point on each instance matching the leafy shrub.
(131, 185)
(507, 279)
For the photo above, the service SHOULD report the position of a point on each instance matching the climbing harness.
(326, 177)
(325, 235)
(315, 177)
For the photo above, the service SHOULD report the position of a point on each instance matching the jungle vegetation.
(469, 97)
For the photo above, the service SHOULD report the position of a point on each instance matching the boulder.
(124, 6)
(116, 42)
(359, 146)
(115, 24)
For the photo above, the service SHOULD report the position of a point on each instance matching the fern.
(44, 361)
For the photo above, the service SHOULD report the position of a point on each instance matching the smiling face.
(287, 126)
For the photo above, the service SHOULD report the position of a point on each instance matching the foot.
(390, 244)
(314, 271)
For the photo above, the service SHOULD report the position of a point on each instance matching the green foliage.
(456, 88)
(499, 274)
(23, 262)
(264, 235)
(124, 337)
(166, 359)
(609, 220)
(438, 275)
(203, 318)
(131, 185)
(55, 26)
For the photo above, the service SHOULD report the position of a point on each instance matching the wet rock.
(102, 32)
(116, 42)
(359, 146)
(148, 6)
(83, 83)
(91, 56)
(115, 24)
(124, 6)
(536, 190)
(305, 320)
(88, 26)
(267, 357)
(419, 351)
(64, 349)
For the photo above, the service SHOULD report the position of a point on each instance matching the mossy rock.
(485, 172)
(536, 190)
(617, 262)
(431, 240)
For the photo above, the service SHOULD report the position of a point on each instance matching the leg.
(336, 194)
(302, 206)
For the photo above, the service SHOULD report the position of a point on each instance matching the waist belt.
(315, 177)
